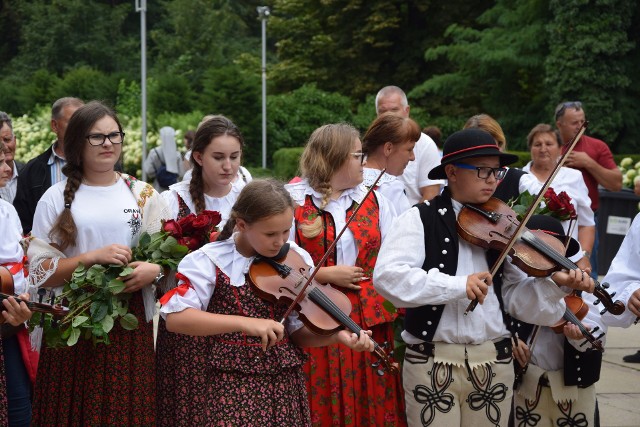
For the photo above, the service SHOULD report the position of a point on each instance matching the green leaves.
(96, 298)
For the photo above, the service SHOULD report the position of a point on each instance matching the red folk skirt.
(344, 390)
(87, 385)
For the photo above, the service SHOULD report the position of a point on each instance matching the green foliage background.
(512, 59)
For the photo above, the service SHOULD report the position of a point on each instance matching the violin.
(323, 309)
(538, 254)
(6, 284)
(576, 311)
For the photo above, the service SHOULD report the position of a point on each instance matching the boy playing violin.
(557, 385)
(458, 368)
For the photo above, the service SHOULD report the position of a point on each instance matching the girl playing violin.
(457, 368)
(255, 363)
(343, 387)
(552, 391)
(216, 156)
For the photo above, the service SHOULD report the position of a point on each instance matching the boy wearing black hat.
(457, 368)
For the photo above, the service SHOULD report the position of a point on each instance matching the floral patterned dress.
(4, 408)
(344, 389)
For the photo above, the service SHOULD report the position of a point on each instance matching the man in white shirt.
(392, 99)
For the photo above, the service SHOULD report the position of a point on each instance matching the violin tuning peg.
(613, 294)
(391, 353)
(605, 285)
(600, 336)
(596, 302)
(597, 328)
(380, 372)
(583, 343)
(603, 312)
(385, 344)
(375, 364)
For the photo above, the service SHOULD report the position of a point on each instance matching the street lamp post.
(141, 6)
(263, 14)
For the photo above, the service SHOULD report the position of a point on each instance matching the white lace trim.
(370, 176)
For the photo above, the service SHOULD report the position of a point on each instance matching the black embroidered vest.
(441, 252)
(581, 369)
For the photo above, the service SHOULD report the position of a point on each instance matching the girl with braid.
(343, 388)
(253, 369)
(95, 217)
(216, 155)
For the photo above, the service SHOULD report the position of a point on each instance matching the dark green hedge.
(285, 162)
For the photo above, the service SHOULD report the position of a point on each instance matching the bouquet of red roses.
(193, 231)
(556, 205)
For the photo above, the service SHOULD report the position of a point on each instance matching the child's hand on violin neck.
(355, 342)
(573, 331)
(16, 312)
(478, 285)
(574, 279)
(269, 331)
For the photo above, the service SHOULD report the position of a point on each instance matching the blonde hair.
(259, 199)
(488, 124)
(328, 148)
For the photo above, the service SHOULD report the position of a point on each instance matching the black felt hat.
(553, 227)
(468, 143)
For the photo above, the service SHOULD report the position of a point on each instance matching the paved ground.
(619, 386)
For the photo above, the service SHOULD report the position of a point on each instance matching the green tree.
(355, 47)
(236, 93)
(61, 35)
(588, 61)
(494, 67)
(294, 116)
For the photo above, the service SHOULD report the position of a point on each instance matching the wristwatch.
(586, 254)
(159, 277)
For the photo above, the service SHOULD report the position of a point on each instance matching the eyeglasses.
(484, 171)
(359, 155)
(571, 104)
(97, 139)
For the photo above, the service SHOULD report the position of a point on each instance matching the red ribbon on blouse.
(181, 289)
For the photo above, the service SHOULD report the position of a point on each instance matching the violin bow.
(519, 229)
(333, 244)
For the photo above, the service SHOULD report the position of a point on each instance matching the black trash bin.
(616, 212)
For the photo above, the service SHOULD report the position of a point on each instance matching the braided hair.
(64, 230)
(328, 148)
(210, 128)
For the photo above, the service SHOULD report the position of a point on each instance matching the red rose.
(173, 228)
(202, 222)
(569, 210)
(187, 223)
(190, 242)
(213, 215)
(552, 200)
